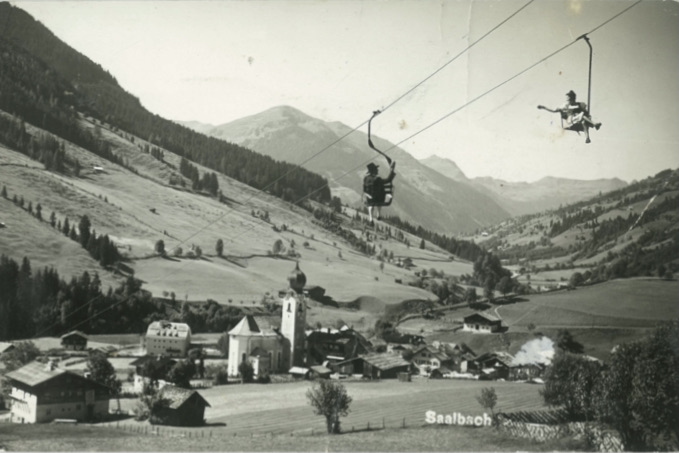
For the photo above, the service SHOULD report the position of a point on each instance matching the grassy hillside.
(136, 205)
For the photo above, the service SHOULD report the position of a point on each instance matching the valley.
(244, 253)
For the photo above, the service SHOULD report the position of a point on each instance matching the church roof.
(254, 326)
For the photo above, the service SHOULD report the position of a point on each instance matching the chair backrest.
(379, 192)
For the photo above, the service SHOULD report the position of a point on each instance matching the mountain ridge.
(340, 153)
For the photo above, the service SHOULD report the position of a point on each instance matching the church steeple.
(293, 322)
(297, 280)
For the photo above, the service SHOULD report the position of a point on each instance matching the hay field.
(618, 303)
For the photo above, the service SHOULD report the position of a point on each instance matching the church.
(270, 349)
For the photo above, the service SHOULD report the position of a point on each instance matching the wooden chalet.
(482, 323)
(185, 407)
(330, 346)
(43, 392)
(75, 340)
(384, 366)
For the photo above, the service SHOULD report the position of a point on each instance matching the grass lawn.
(616, 303)
(244, 409)
(429, 438)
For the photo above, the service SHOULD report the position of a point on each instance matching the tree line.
(100, 247)
(636, 392)
(47, 93)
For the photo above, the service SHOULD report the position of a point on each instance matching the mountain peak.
(446, 167)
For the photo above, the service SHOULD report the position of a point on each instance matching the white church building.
(270, 349)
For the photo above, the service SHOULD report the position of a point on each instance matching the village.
(261, 349)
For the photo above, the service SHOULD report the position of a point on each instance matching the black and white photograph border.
(328, 225)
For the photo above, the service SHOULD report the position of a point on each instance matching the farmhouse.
(525, 371)
(482, 323)
(43, 392)
(492, 365)
(428, 358)
(275, 349)
(333, 346)
(75, 340)
(171, 339)
(185, 407)
(384, 366)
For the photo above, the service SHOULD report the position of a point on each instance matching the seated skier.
(575, 115)
(374, 192)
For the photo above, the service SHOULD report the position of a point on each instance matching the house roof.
(74, 333)
(177, 396)
(35, 373)
(168, 329)
(4, 347)
(254, 325)
(433, 351)
(320, 369)
(259, 352)
(484, 316)
(385, 361)
(149, 358)
(502, 357)
(298, 370)
(441, 370)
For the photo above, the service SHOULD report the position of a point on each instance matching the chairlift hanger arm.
(589, 82)
(370, 142)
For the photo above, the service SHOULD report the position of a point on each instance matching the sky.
(339, 60)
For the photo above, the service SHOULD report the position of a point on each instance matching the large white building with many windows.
(170, 339)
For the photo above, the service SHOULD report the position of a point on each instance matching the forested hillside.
(633, 231)
(44, 82)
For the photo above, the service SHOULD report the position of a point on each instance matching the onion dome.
(297, 280)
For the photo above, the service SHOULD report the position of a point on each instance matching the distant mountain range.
(423, 195)
(454, 203)
(528, 198)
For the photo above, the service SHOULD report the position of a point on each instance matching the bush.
(221, 377)
(246, 371)
(264, 379)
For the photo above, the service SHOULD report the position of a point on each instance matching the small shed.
(5, 347)
(299, 372)
(440, 373)
(319, 371)
(185, 407)
(384, 366)
(75, 340)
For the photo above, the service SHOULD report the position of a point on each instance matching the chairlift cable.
(303, 198)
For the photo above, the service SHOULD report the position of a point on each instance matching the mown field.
(243, 409)
(430, 438)
(625, 303)
(277, 417)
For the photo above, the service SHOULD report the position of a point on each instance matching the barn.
(185, 407)
(384, 366)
